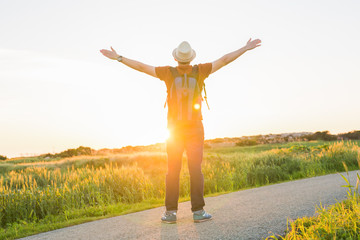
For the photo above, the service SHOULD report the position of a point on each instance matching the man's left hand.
(253, 44)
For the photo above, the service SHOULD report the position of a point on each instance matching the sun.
(166, 134)
(163, 135)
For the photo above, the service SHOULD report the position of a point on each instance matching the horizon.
(58, 91)
(38, 154)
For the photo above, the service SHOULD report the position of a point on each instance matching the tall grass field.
(38, 194)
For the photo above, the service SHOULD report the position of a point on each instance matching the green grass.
(266, 147)
(62, 192)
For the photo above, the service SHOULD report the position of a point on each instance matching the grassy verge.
(48, 195)
(78, 216)
(75, 216)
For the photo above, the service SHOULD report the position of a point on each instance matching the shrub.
(2, 157)
(354, 135)
(321, 136)
(246, 142)
(75, 152)
(70, 153)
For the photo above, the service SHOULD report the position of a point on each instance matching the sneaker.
(169, 217)
(201, 216)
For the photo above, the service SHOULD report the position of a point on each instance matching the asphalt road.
(247, 214)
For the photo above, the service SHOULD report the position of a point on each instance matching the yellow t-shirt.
(164, 73)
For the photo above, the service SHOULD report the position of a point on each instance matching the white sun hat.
(184, 52)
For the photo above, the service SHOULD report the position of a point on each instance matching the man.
(184, 85)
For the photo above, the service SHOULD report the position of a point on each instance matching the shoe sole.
(168, 222)
(202, 220)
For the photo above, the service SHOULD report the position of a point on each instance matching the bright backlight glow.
(167, 134)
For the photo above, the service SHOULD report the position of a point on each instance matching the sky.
(57, 91)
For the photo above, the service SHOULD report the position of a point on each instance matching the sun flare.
(197, 106)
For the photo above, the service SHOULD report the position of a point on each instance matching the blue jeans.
(189, 137)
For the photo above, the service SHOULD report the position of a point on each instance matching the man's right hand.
(139, 66)
(110, 54)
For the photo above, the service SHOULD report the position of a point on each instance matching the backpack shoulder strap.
(207, 104)
(174, 72)
(195, 71)
(169, 84)
(201, 85)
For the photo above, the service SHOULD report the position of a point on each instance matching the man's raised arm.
(228, 58)
(139, 66)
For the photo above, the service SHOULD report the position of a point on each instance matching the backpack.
(184, 96)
